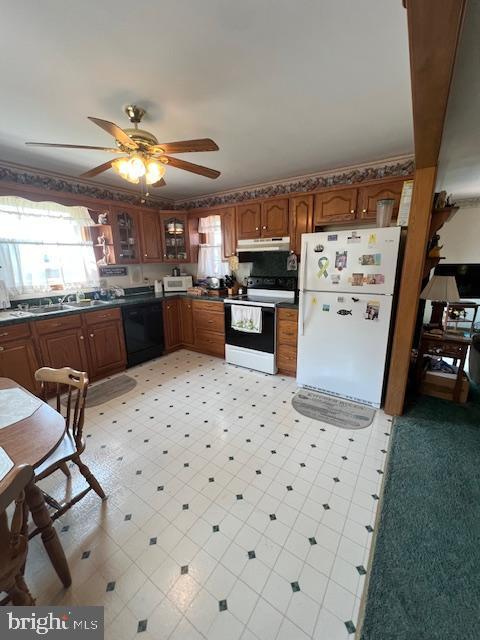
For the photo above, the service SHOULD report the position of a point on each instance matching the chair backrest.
(71, 388)
(13, 538)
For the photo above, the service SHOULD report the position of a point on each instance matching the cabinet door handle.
(82, 337)
(145, 255)
(352, 210)
(92, 335)
(5, 333)
(2, 348)
(256, 228)
(364, 211)
(264, 227)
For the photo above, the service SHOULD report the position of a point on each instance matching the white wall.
(460, 236)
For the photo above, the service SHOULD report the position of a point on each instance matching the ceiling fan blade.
(73, 146)
(96, 170)
(159, 183)
(184, 146)
(194, 168)
(115, 131)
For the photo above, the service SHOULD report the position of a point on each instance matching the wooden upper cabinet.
(335, 206)
(301, 220)
(249, 217)
(229, 231)
(275, 218)
(370, 195)
(125, 236)
(150, 237)
(175, 238)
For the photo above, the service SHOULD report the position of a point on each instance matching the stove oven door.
(264, 341)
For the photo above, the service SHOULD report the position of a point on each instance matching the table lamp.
(440, 290)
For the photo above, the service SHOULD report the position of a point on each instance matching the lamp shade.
(441, 289)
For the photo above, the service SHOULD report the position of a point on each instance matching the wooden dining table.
(30, 441)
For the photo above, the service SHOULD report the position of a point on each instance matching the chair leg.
(63, 467)
(19, 593)
(89, 477)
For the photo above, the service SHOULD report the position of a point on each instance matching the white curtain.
(210, 259)
(41, 245)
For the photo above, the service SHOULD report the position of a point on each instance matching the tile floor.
(229, 514)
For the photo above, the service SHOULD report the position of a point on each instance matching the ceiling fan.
(144, 158)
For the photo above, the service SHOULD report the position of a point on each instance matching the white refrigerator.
(347, 280)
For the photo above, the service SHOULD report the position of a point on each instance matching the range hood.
(264, 244)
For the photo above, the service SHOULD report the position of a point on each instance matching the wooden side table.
(448, 346)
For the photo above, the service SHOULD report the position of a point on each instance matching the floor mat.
(424, 581)
(337, 411)
(108, 390)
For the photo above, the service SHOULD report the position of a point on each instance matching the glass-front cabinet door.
(174, 237)
(125, 237)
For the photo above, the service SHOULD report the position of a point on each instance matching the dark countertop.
(6, 317)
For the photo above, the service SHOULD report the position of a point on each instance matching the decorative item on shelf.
(385, 212)
(440, 290)
(433, 248)
(440, 200)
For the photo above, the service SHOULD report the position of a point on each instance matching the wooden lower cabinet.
(106, 346)
(209, 327)
(91, 342)
(287, 332)
(18, 359)
(172, 324)
(186, 322)
(62, 343)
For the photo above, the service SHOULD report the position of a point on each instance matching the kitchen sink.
(81, 304)
(48, 308)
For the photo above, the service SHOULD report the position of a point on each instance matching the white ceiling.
(285, 87)
(459, 161)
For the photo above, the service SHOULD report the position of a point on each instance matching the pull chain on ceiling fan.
(144, 158)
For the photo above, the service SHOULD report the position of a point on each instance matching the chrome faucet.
(47, 301)
(69, 298)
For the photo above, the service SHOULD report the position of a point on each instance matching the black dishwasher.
(143, 326)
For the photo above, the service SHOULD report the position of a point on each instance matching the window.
(41, 246)
(210, 262)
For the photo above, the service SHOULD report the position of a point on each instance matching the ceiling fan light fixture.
(155, 171)
(137, 167)
(131, 169)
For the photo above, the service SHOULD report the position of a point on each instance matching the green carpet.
(425, 578)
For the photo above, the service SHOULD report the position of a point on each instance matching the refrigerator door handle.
(303, 263)
(300, 313)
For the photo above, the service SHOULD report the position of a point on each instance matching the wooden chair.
(14, 539)
(73, 385)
